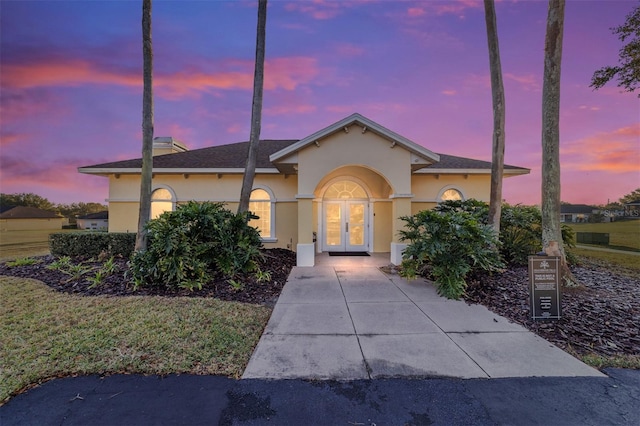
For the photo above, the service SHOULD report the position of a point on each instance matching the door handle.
(346, 227)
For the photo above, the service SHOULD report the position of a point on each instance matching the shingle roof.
(576, 208)
(98, 215)
(21, 212)
(233, 156)
(453, 162)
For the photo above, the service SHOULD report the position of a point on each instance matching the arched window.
(161, 201)
(345, 189)
(451, 195)
(260, 205)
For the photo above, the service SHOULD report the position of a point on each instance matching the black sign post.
(544, 287)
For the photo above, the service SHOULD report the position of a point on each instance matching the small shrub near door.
(451, 243)
(187, 245)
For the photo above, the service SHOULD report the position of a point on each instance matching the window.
(260, 205)
(161, 201)
(345, 189)
(451, 195)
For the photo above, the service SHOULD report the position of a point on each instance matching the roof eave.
(220, 170)
(510, 172)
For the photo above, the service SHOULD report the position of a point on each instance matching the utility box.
(544, 287)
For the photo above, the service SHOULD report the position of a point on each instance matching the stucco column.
(305, 250)
(401, 206)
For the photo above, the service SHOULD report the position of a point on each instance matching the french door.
(345, 225)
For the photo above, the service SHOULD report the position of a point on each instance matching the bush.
(121, 244)
(451, 242)
(185, 246)
(521, 233)
(91, 244)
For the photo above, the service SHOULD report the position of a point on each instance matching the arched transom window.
(451, 195)
(345, 189)
(161, 201)
(260, 205)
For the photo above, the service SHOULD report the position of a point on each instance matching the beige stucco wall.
(426, 188)
(381, 226)
(417, 207)
(366, 150)
(124, 193)
(30, 224)
(286, 226)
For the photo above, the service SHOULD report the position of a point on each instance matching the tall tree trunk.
(497, 92)
(551, 227)
(147, 128)
(256, 109)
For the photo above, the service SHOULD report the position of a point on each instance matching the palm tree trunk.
(147, 128)
(551, 227)
(256, 109)
(497, 92)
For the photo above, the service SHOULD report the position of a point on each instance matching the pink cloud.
(414, 12)
(23, 175)
(290, 109)
(456, 8)
(9, 138)
(449, 92)
(529, 82)
(617, 151)
(280, 73)
(234, 128)
(317, 9)
(349, 49)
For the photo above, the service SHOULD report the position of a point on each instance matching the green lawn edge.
(46, 334)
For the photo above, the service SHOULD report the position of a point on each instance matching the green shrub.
(185, 246)
(451, 243)
(91, 244)
(521, 233)
(121, 243)
(478, 209)
(74, 244)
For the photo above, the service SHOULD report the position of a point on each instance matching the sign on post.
(544, 287)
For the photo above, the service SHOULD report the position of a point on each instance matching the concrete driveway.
(344, 319)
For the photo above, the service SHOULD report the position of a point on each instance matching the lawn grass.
(624, 233)
(47, 334)
(620, 258)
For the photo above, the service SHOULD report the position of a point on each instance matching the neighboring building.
(348, 184)
(576, 213)
(22, 218)
(94, 221)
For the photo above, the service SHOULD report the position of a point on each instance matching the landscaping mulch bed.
(603, 318)
(277, 262)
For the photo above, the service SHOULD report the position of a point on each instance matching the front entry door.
(345, 225)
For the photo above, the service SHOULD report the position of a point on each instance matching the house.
(95, 221)
(342, 188)
(576, 213)
(20, 218)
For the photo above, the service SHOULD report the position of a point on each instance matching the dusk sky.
(71, 84)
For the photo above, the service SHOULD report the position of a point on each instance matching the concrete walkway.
(344, 319)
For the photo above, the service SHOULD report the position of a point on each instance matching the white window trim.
(272, 206)
(448, 187)
(174, 198)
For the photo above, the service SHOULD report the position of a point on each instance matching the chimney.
(167, 145)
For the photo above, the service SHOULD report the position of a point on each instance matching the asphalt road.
(210, 400)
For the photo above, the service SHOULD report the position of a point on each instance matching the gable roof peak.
(367, 125)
